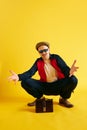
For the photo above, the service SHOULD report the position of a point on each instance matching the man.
(56, 78)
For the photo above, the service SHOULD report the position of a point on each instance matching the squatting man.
(56, 77)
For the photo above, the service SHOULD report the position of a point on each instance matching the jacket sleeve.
(63, 66)
(29, 73)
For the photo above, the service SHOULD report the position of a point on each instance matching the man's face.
(44, 52)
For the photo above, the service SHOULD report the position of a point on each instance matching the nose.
(44, 52)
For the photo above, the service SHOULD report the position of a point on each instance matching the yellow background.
(23, 23)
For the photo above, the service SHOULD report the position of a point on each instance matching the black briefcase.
(44, 105)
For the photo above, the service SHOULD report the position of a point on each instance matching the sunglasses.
(44, 50)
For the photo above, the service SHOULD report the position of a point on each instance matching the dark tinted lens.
(41, 51)
(44, 50)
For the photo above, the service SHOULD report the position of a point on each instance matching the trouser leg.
(63, 87)
(68, 86)
(33, 87)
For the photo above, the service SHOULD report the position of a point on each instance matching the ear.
(49, 49)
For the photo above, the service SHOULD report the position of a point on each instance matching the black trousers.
(63, 87)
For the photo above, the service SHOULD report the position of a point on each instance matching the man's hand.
(14, 77)
(73, 68)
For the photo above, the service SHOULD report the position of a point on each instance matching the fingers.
(73, 68)
(76, 68)
(10, 78)
(14, 77)
(74, 63)
(12, 72)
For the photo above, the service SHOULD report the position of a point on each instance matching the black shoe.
(65, 102)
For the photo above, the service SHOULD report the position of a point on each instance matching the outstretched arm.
(14, 77)
(73, 68)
